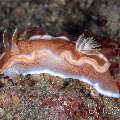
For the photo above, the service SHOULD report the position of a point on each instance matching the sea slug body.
(59, 57)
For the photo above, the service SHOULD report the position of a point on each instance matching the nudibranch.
(58, 56)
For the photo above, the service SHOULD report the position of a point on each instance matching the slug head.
(10, 49)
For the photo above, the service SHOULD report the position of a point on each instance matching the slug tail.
(110, 90)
